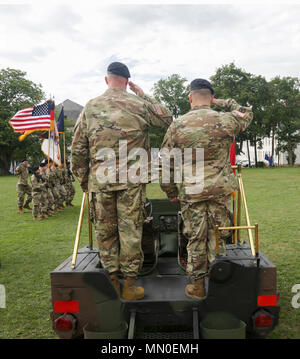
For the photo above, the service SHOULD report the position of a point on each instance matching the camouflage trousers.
(62, 194)
(36, 199)
(56, 197)
(50, 199)
(199, 223)
(118, 218)
(44, 201)
(21, 191)
(70, 189)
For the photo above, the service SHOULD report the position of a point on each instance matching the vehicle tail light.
(263, 321)
(64, 323)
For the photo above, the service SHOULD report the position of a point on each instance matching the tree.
(172, 92)
(285, 114)
(248, 90)
(16, 93)
(259, 96)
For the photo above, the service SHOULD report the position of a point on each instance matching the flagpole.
(64, 149)
(49, 148)
(53, 147)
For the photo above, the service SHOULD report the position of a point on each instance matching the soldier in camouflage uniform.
(37, 184)
(22, 186)
(54, 187)
(50, 196)
(60, 185)
(70, 189)
(44, 192)
(208, 205)
(116, 206)
(52, 193)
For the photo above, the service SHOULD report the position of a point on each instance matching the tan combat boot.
(20, 210)
(196, 290)
(43, 216)
(36, 218)
(115, 281)
(130, 291)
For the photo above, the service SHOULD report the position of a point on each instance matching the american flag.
(32, 118)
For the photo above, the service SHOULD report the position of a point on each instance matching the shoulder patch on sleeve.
(158, 109)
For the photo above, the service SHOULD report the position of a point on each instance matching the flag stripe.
(30, 127)
(27, 116)
(20, 122)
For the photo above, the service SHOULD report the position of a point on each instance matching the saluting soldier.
(117, 207)
(22, 186)
(207, 204)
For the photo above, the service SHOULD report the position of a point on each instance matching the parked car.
(245, 163)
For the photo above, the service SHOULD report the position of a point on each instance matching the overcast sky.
(67, 48)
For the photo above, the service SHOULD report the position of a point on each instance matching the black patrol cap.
(43, 163)
(199, 84)
(24, 160)
(119, 69)
(34, 169)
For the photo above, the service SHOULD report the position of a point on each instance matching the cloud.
(68, 48)
(36, 54)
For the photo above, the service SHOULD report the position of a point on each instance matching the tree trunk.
(248, 151)
(4, 165)
(273, 143)
(255, 152)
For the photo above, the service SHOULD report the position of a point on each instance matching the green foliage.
(173, 93)
(285, 114)
(248, 90)
(16, 93)
(275, 105)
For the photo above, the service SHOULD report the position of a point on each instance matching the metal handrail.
(241, 199)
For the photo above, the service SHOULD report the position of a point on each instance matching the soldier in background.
(55, 191)
(61, 185)
(116, 208)
(22, 186)
(203, 209)
(51, 198)
(70, 189)
(52, 187)
(44, 192)
(37, 184)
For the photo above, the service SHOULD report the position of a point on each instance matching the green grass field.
(29, 250)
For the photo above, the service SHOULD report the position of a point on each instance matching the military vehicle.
(242, 283)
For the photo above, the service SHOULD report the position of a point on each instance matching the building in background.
(71, 110)
(266, 150)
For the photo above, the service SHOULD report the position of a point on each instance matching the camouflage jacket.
(22, 173)
(44, 178)
(50, 177)
(64, 173)
(114, 116)
(37, 184)
(214, 132)
(56, 176)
